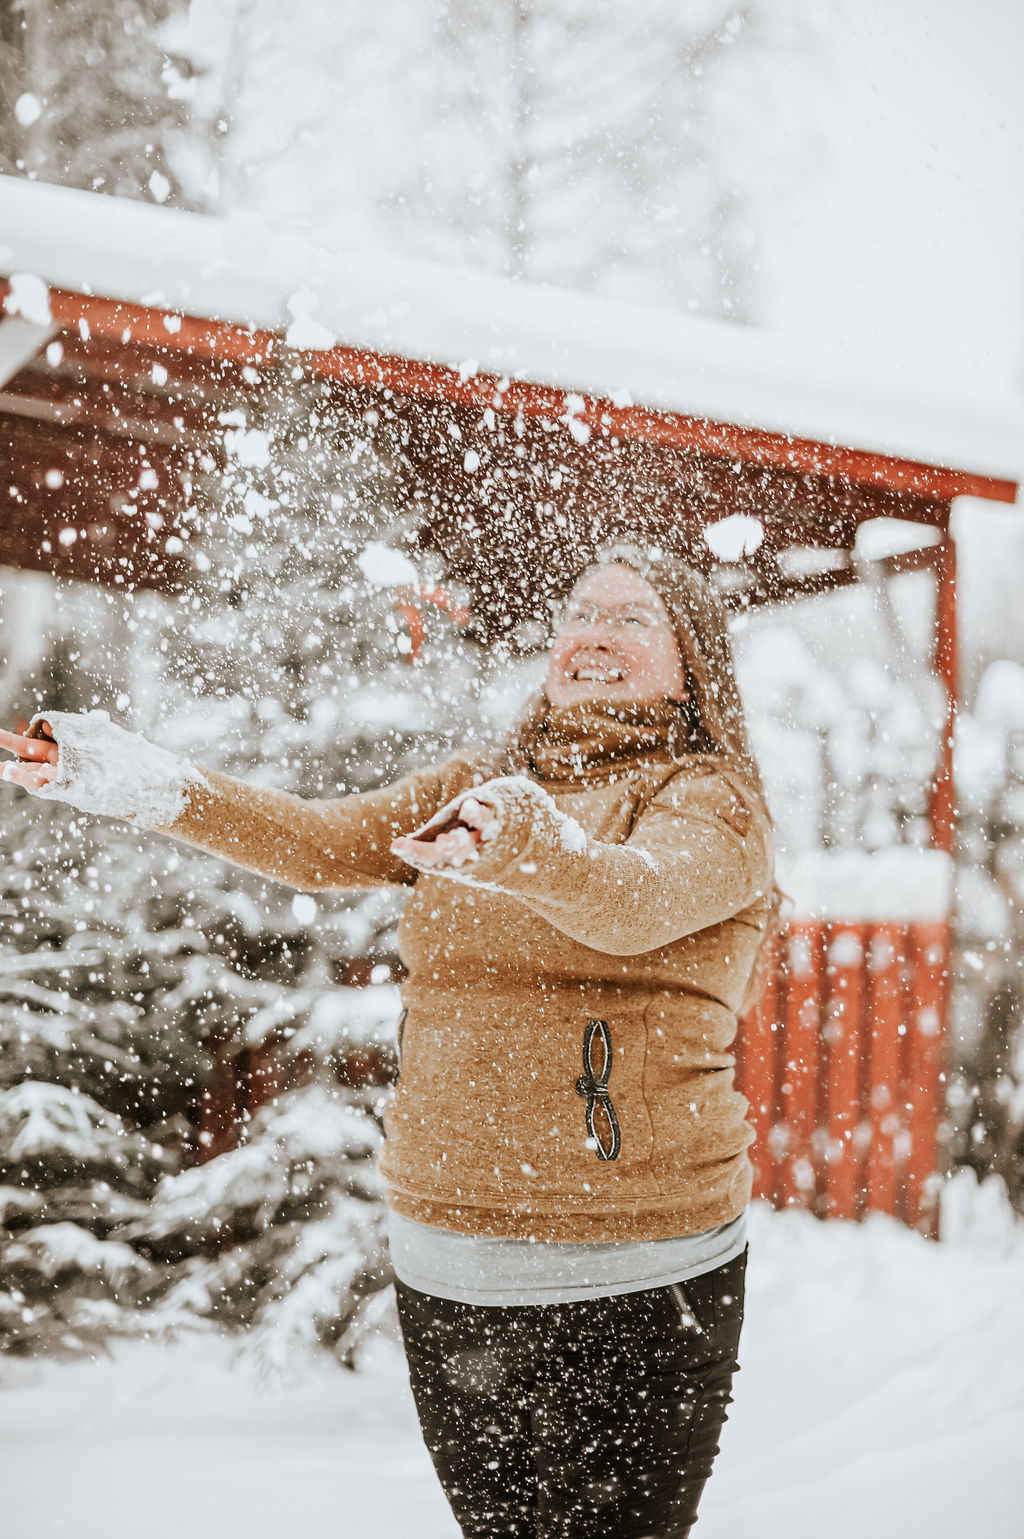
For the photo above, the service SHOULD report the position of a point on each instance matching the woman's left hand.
(449, 840)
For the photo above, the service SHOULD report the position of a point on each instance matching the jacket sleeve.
(341, 844)
(700, 853)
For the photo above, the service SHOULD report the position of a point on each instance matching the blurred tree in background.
(547, 139)
(158, 1008)
(575, 160)
(520, 136)
(90, 97)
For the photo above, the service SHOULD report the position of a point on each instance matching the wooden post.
(942, 806)
(933, 953)
(926, 1076)
(801, 1064)
(885, 1112)
(844, 1035)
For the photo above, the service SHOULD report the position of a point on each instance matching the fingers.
(451, 837)
(413, 850)
(33, 748)
(458, 846)
(422, 852)
(31, 776)
(453, 848)
(418, 852)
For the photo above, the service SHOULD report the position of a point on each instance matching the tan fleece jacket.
(572, 995)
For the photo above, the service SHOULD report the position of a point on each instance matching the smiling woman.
(616, 642)
(593, 897)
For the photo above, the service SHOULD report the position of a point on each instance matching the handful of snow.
(455, 824)
(103, 769)
(487, 812)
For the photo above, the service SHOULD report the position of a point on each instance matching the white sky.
(912, 226)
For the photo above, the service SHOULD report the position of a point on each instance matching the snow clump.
(29, 297)
(28, 109)
(384, 567)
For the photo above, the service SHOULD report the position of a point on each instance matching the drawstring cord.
(594, 1085)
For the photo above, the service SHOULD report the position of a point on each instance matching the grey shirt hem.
(488, 1270)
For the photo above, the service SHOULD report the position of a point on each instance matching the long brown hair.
(716, 721)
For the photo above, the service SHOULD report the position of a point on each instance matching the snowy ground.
(881, 1394)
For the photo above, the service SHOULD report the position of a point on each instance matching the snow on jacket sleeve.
(341, 844)
(700, 853)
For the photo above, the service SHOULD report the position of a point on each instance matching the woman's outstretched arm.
(700, 853)
(342, 843)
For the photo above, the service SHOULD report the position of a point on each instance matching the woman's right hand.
(36, 762)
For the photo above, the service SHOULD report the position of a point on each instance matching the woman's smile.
(599, 670)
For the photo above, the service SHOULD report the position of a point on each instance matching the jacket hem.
(668, 1218)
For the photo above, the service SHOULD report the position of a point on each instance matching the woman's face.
(616, 642)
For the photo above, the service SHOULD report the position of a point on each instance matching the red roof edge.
(118, 320)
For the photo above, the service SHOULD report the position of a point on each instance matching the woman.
(569, 1245)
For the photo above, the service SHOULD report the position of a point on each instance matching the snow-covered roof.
(237, 269)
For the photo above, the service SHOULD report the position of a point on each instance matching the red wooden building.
(526, 427)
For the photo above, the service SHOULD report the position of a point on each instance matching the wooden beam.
(140, 365)
(112, 410)
(85, 451)
(167, 329)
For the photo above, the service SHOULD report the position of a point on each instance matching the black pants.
(573, 1421)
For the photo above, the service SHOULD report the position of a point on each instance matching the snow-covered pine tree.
(92, 1084)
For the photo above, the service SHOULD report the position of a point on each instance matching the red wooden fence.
(842, 1062)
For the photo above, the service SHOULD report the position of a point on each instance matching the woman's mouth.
(598, 673)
